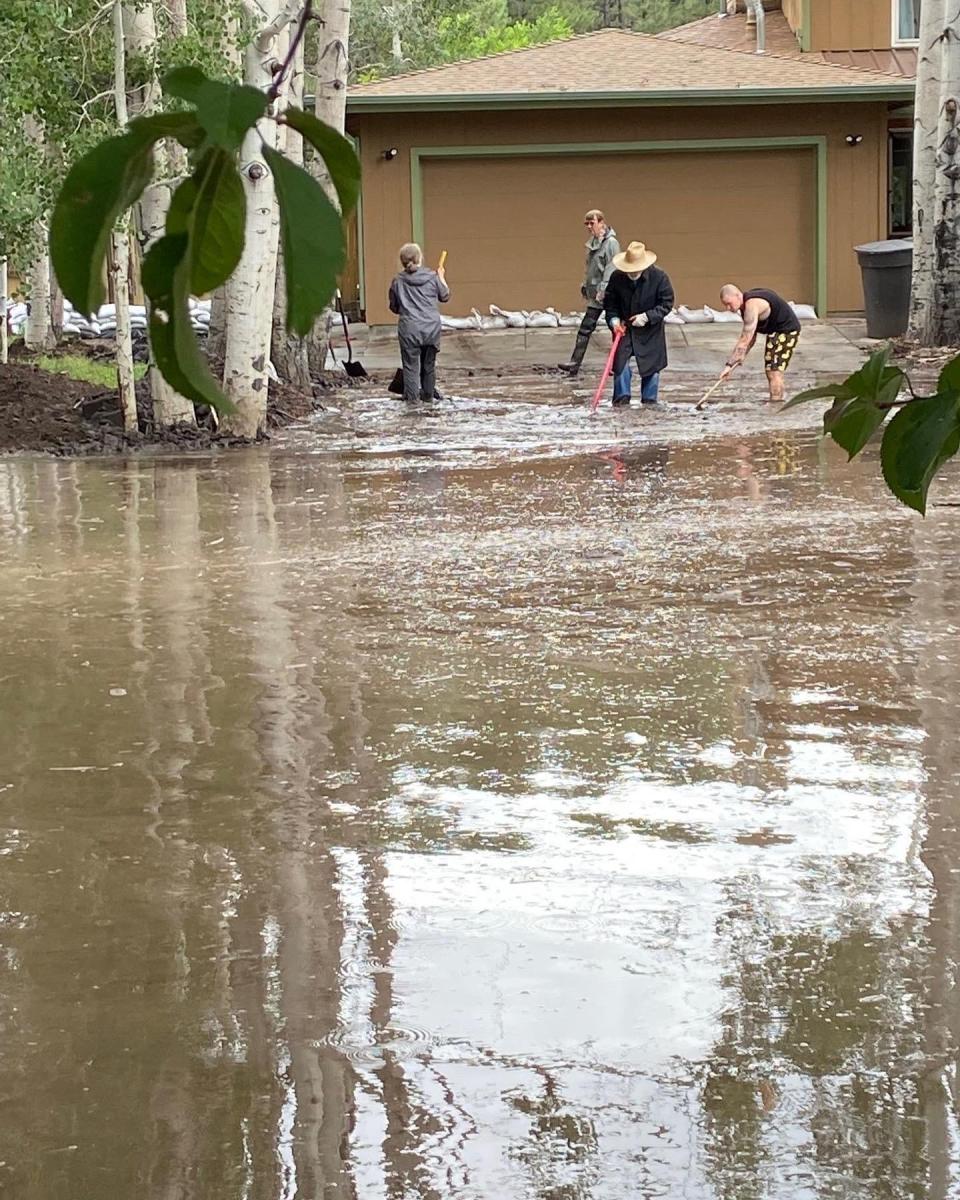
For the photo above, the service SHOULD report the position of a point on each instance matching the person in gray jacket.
(414, 296)
(601, 247)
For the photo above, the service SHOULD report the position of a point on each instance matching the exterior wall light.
(853, 139)
(390, 153)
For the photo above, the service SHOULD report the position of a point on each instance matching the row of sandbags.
(550, 318)
(104, 324)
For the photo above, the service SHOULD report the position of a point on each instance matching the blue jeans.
(649, 386)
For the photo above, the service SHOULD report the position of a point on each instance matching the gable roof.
(733, 33)
(617, 66)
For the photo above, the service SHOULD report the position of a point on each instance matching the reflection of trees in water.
(560, 1154)
(810, 1077)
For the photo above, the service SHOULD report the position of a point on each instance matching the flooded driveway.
(483, 805)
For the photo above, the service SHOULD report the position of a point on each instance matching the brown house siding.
(851, 24)
(856, 191)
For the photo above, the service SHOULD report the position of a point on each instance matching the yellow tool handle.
(443, 259)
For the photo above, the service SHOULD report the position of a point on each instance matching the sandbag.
(571, 320)
(695, 316)
(725, 315)
(515, 320)
(805, 312)
(541, 320)
(673, 318)
(489, 322)
(471, 322)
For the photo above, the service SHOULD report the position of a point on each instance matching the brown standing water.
(465, 810)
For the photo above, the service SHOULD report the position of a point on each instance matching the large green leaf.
(854, 424)
(829, 391)
(950, 376)
(916, 444)
(314, 248)
(182, 126)
(166, 280)
(212, 207)
(335, 150)
(97, 189)
(226, 111)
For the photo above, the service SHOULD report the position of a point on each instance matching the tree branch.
(305, 17)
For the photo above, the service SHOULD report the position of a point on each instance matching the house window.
(906, 20)
(901, 183)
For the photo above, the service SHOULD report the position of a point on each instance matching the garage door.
(513, 226)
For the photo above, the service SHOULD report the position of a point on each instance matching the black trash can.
(886, 268)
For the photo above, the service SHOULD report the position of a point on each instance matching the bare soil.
(41, 412)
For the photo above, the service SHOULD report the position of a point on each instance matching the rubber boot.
(572, 367)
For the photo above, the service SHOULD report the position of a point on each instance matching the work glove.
(640, 320)
(614, 323)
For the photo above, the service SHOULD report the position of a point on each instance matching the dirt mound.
(54, 414)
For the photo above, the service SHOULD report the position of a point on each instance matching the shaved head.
(730, 291)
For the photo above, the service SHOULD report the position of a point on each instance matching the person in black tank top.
(763, 311)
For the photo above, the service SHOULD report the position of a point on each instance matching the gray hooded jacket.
(414, 296)
(600, 252)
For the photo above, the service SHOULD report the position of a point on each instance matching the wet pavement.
(487, 802)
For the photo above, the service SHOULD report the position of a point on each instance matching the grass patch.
(78, 366)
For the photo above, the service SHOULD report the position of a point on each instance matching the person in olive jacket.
(639, 295)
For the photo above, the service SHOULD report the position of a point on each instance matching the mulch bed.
(54, 414)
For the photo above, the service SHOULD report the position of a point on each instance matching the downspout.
(755, 9)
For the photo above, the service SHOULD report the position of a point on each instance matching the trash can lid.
(890, 246)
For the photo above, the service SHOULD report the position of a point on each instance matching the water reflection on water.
(579, 829)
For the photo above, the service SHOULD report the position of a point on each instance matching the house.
(734, 165)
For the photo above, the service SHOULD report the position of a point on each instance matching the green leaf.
(226, 111)
(97, 189)
(182, 126)
(872, 376)
(313, 243)
(829, 391)
(950, 376)
(212, 207)
(166, 280)
(854, 424)
(922, 436)
(335, 150)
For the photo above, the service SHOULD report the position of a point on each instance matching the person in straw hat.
(639, 296)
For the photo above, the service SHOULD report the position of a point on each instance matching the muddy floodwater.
(485, 804)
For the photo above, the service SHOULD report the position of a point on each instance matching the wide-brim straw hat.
(636, 257)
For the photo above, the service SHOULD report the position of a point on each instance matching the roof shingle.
(635, 63)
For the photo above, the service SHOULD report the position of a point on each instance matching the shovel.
(354, 369)
(702, 402)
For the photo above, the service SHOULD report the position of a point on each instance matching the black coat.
(652, 294)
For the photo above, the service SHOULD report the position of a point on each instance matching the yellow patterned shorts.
(779, 350)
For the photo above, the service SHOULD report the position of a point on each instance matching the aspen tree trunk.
(140, 33)
(289, 353)
(946, 227)
(120, 265)
(329, 70)
(250, 289)
(38, 334)
(925, 123)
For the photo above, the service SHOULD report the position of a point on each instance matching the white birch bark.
(126, 385)
(329, 70)
(289, 353)
(120, 265)
(924, 168)
(250, 290)
(38, 334)
(946, 230)
(140, 34)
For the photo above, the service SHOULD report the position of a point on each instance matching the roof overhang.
(398, 103)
